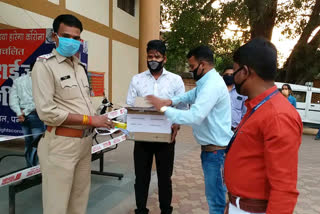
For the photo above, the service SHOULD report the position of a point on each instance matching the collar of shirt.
(164, 72)
(250, 104)
(61, 58)
(205, 77)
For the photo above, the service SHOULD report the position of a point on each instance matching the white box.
(147, 124)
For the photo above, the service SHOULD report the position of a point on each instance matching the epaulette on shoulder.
(84, 65)
(45, 57)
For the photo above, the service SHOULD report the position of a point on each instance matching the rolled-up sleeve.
(187, 98)
(43, 90)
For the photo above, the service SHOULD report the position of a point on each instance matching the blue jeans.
(32, 125)
(212, 165)
(318, 135)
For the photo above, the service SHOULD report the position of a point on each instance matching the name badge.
(65, 78)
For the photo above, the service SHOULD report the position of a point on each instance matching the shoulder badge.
(84, 65)
(45, 57)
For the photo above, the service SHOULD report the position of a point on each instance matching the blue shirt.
(210, 112)
(238, 109)
(292, 100)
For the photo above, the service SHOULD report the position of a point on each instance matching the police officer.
(62, 97)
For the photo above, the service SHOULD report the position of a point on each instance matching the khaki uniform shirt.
(60, 86)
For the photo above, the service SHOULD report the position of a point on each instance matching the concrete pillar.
(149, 28)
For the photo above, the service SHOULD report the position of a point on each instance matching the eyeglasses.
(239, 69)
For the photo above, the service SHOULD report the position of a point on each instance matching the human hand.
(175, 128)
(157, 102)
(21, 118)
(102, 121)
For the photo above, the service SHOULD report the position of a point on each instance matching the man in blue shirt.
(210, 118)
(238, 109)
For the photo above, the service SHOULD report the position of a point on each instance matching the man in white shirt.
(162, 83)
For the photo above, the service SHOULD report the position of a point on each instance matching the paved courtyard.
(188, 183)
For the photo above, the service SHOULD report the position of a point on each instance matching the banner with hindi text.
(18, 49)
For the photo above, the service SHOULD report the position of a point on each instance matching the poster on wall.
(18, 49)
(96, 81)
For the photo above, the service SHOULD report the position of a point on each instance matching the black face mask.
(155, 66)
(196, 77)
(238, 85)
(228, 79)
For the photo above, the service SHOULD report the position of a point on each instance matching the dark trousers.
(143, 157)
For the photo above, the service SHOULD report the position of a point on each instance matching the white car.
(308, 103)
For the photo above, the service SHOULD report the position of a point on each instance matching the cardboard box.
(147, 124)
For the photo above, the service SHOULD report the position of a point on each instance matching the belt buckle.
(87, 132)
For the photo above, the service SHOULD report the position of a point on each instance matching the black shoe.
(141, 211)
(167, 211)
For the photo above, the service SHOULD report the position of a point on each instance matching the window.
(127, 5)
(315, 99)
(300, 96)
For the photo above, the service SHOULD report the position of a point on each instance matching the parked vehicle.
(308, 103)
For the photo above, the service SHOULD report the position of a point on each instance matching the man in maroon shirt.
(262, 157)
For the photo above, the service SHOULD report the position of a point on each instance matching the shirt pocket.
(238, 103)
(69, 89)
(166, 92)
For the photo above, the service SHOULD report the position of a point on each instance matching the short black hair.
(260, 55)
(286, 84)
(68, 20)
(227, 68)
(157, 45)
(202, 53)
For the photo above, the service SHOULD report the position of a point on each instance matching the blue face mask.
(68, 47)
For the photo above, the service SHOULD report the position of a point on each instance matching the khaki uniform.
(60, 87)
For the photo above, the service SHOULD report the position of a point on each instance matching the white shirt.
(21, 96)
(166, 86)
